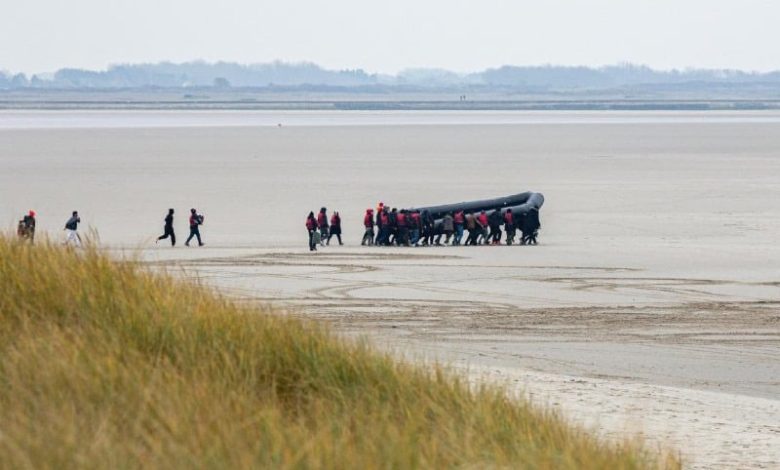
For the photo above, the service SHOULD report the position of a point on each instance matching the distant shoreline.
(389, 105)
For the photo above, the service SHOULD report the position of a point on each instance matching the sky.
(388, 36)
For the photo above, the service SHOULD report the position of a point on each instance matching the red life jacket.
(415, 219)
(509, 218)
(311, 224)
(368, 220)
(483, 219)
(458, 217)
(401, 219)
(385, 219)
(335, 221)
(322, 220)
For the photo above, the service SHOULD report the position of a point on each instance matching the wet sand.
(651, 306)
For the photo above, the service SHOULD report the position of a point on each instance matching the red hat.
(32, 213)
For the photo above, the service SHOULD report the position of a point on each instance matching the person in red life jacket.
(384, 228)
(402, 220)
(414, 227)
(509, 226)
(458, 219)
(311, 227)
(196, 220)
(368, 223)
(322, 223)
(482, 222)
(335, 227)
(26, 228)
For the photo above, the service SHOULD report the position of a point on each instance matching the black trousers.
(312, 245)
(168, 233)
(194, 232)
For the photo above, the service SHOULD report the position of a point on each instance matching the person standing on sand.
(471, 226)
(168, 229)
(509, 226)
(322, 223)
(379, 209)
(482, 221)
(458, 218)
(196, 220)
(311, 227)
(494, 221)
(368, 223)
(335, 227)
(71, 229)
(416, 225)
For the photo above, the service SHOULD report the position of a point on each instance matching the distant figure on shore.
(26, 229)
(196, 220)
(168, 229)
(322, 223)
(368, 223)
(335, 227)
(530, 227)
(311, 227)
(71, 229)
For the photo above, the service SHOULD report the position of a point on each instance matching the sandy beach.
(651, 306)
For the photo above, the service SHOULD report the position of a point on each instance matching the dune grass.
(104, 364)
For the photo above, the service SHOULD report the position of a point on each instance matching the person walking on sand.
(459, 219)
(71, 229)
(335, 227)
(196, 220)
(509, 226)
(322, 223)
(368, 223)
(471, 226)
(168, 229)
(494, 221)
(482, 222)
(26, 229)
(311, 227)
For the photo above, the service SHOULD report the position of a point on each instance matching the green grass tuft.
(104, 364)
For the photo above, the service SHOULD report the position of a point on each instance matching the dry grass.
(103, 364)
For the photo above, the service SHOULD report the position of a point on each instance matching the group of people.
(320, 231)
(414, 227)
(26, 228)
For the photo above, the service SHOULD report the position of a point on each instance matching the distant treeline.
(308, 76)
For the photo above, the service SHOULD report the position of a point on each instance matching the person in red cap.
(26, 229)
(368, 223)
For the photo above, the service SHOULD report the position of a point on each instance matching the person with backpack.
(368, 223)
(311, 227)
(322, 223)
(335, 227)
(196, 220)
(168, 229)
(26, 229)
(71, 229)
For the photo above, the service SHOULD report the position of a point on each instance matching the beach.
(651, 305)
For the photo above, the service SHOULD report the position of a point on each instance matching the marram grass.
(106, 365)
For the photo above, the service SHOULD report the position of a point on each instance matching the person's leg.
(192, 234)
(339, 237)
(173, 238)
(197, 234)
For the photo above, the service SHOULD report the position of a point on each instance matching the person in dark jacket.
(168, 229)
(509, 226)
(26, 229)
(368, 223)
(322, 223)
(494, 221)
(530, 227)
(392, 227)
(427, 228)
(379, 210)
(71, 229)
(335, 227)
(196, 220)
(311, 227)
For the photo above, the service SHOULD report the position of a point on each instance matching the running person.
(168, 229)
(71, 229)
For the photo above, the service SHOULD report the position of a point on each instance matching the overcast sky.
(387, 36)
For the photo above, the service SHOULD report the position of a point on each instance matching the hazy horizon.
(386, 38)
